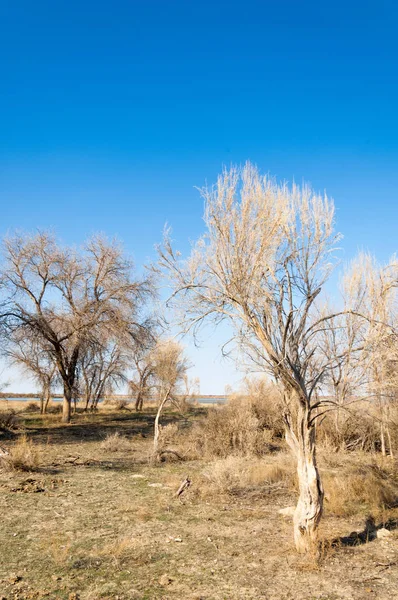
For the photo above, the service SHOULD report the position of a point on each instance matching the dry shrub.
(9, 420)
(349, 430)
(237, 473)
(360, 489)
(32, 407)
(23, 456)
(114, 442)
(168, 435)
(246, 426)
(116, 403)
(55, 409)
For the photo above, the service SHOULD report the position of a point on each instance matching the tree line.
(81, 319)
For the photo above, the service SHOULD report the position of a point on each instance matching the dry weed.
(32, 407)
(115, 442)
(23, 456)
(360, 489)
(243, 427)
(233, 472)
(9, 420)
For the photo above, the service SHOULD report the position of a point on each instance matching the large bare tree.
(261, 264)
(69, 298)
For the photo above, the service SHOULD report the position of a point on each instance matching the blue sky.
(111, 113)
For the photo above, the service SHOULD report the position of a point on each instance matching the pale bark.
(310, 503)
(156, 435)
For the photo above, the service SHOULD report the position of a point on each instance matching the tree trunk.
(310, 503)
(138, 402)
(156, 435)
(47, 400)
(67, 405)
(382, 440)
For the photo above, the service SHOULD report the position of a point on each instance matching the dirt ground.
(91, 524)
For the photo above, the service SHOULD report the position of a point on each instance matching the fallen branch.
(183, 487)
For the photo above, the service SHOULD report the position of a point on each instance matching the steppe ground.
(93, 523)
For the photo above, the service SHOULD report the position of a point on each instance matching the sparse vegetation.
(126, 518)
(23, 456)
(115, 442)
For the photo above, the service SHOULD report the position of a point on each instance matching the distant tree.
(69, 299)
(37, 361)
(261, 265)
(170, 368)
(101, 366)
(142, 382)
(379, 303)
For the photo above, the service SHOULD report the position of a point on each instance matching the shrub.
(247, 425)
(9, 420)
(54, 409)
(353, 429)
(361, 489)
(23, 456)
(114, 442)
(32, 407)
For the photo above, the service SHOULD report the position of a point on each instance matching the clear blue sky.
(111, 113)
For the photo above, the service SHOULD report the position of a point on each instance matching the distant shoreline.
(4, 396)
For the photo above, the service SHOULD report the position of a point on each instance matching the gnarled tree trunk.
(310, 503)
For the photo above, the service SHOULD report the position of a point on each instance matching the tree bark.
(67, 405)
(310, 503)
(47, 399)
(156, 435)
(139, 402)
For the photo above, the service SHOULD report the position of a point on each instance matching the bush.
(9, 420)
(23, 456)
(114, 442)
(32, 407)
(365, 488)
(353, 429)
(247, 425)
(54, 409)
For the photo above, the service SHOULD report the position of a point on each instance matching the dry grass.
(111, 526)
(244, 427)
(32, 407)
(9, 420)
(115, 442)
(23, 456)
(238, 473)
(360, 489)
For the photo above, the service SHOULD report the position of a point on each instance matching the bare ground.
(92, 524)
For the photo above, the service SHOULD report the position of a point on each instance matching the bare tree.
(380, 284)
(38, 362)
(262, 263)
(142, 382)
(101, 365)
(169, 368)
(69, 299)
